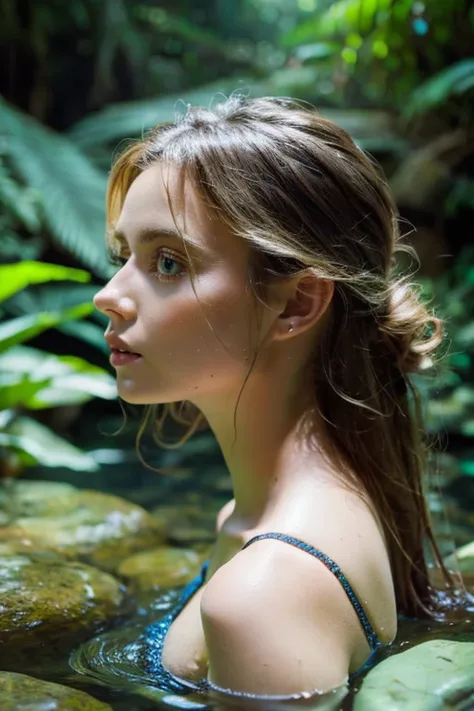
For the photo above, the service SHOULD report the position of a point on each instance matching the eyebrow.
(150, 234)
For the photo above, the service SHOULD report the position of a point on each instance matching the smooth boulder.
(84, 525)
(19, 692)
(160, 568)
(49, 605)
(431, 676)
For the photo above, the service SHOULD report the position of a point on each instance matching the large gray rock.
(19, 692)
(78, 524)
(432, 676)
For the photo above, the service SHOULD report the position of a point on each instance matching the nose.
(112, 303)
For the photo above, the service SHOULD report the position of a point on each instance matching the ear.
(302, 304)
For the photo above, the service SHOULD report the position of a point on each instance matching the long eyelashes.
(120, 260)
(170, 257)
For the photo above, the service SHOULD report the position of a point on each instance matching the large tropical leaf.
(19, 330)
(41, 445)
(90, 333)
(72, 189)
(49, 297)
(454, 80)
(15, 277)
(64, 380)
(16, 388)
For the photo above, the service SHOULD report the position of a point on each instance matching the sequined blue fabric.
(154, 638)
(154, 635)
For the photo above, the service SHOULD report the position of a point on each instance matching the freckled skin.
(202, 350)
(162, 320)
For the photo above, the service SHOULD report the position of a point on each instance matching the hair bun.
(411, 331)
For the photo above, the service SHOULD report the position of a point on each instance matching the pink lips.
(120, 353)
(120, 358)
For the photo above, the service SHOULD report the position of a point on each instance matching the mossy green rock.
(429, 677)
(81, 524)
(19, 692)
(160, 568)
(50, 603)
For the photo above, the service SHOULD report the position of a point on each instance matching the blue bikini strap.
(335, 569)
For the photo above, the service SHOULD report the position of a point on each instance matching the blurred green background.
(80, 77)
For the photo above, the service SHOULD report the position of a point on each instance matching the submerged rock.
(80, 524)
(160, 568)
(49, 604)
(19, 692)
(462, 560)
(186, 524)
(429, 677)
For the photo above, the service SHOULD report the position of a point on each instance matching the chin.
(134, 396)
(139, 396)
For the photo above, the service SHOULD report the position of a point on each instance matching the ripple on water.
(115, 659)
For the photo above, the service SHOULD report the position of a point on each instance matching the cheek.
(215, 334)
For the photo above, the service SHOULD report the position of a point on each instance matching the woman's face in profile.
(152, 307)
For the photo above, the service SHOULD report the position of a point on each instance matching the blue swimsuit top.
(154, 635)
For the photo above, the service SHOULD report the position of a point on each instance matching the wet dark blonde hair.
(306, 198)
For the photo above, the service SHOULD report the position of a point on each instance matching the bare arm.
(275, 629)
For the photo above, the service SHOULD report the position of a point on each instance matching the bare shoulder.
(262, 613)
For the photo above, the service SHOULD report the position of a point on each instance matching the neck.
(275, 456)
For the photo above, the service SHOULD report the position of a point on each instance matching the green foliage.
(72, 190)
(16, 277)
(386, 50)
(343, 17)
(60, 296)
(130, 119)
(31, 379)
(450, 394)
(453, 81)
(31, 443)
(65, 380)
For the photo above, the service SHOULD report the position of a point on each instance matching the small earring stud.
(290, 327)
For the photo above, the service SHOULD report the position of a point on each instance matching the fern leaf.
(72, 190)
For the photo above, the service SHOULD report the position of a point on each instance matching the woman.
(258, 289)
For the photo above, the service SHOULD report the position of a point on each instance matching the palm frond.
(72, 190)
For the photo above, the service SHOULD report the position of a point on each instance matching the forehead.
(146, 208)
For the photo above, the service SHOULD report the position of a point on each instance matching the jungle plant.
(449, 394)
(31, 379)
